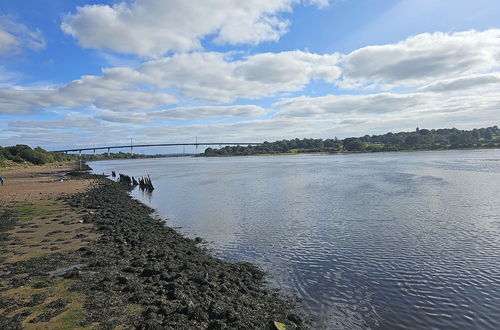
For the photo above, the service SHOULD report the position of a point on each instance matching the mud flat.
(112, 264)
(38, 183)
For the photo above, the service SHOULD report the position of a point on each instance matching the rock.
(147, 272)
(121, 280)
(217, 325)
(294, 318)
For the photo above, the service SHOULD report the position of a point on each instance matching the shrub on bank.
(23, 154)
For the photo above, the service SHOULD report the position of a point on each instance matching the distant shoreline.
(347, 152)
(312, 153)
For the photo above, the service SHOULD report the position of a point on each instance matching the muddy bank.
(139, 273)
(40, 233)
(31, 184)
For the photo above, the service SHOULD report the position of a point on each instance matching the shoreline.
(345, 152)
(130, 271)
(320, 153)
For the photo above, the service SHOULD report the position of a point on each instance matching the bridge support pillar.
(109, 152)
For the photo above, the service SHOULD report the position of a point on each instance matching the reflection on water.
(402, 240)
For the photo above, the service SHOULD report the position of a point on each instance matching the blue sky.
(87, 73)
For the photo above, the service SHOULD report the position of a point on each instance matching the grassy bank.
(134, 273)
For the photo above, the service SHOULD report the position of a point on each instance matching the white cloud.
(204, 112)
(186, 113)
(422, 59)
(296, 66)
(22, 102)
(107, 92)
(7, 42)
(465, 84)
(386, 104)
(8, 78)
(88, 124)
(129, 117)
(211, 77)
(214, 77)
(332, 105)
(15, 37)
(151, 28)
(318, 3)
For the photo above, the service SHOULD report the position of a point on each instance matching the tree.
(412, 140)
(353, 144)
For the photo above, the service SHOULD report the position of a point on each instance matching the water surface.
(387, 240)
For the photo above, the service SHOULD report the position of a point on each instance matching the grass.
(68, 320)
(133, 309)
(74, 315)
(60, 288)
(8, 164)
(42, 224)
(49, 216)
(27, 212)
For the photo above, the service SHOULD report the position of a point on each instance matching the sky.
(88, 73)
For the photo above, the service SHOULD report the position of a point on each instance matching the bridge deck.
(159, 145)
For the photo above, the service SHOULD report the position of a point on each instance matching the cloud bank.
(151, 28)
(208, 77)
(422, 59)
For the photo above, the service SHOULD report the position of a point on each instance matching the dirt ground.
(32, 184)
(34, 222)
(44, 224)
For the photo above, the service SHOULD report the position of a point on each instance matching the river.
(384, 240)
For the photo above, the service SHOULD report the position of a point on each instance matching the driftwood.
(144, 183)
(126, 180)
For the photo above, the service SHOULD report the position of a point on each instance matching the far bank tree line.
(420, 139)
(23, 154)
